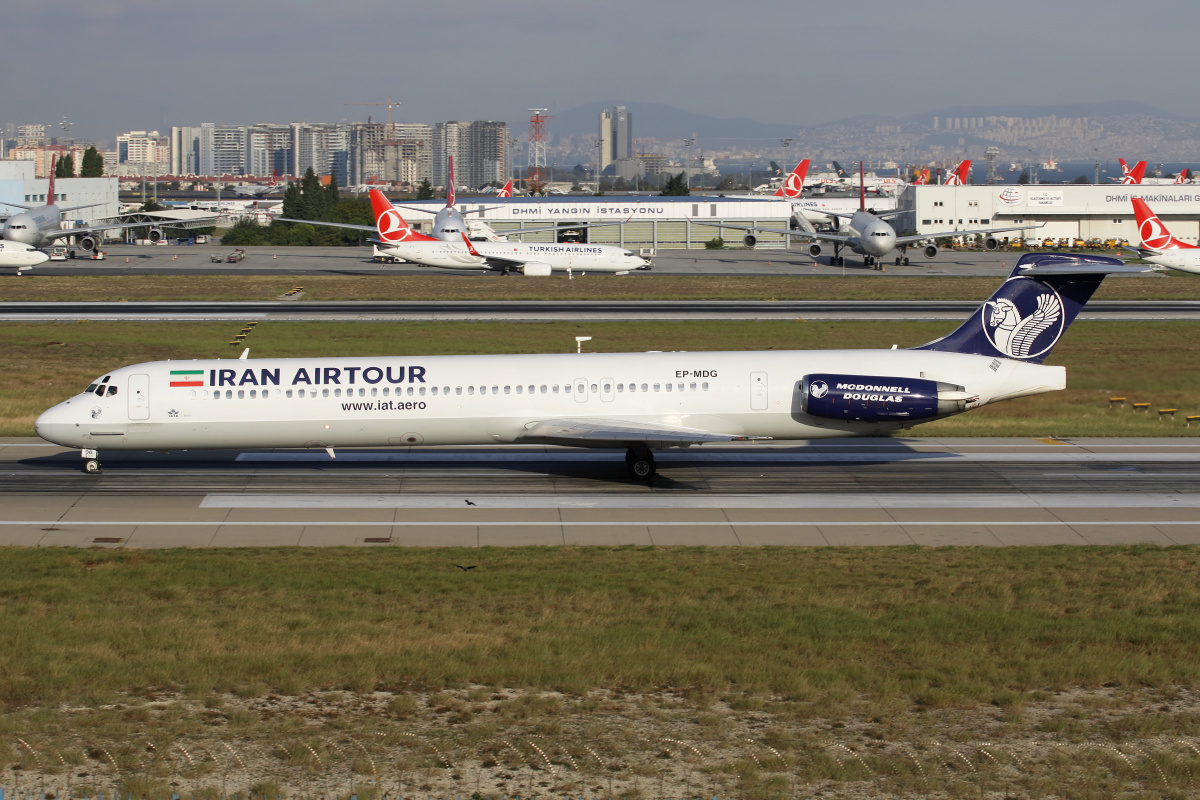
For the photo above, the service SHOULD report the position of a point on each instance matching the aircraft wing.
(582, 432)
(370, 228)
(111, 226)
(17, 205)
(823, 237)
(926, 236)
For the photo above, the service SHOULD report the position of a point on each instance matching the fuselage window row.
(444, 390)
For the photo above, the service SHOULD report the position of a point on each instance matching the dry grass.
(611, 672)
(45, 287)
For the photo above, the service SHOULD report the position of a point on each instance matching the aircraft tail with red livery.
(390, 225)
(1152, 232)
(793, 185)
(1132, 176)
(958, 176)
(506, 191)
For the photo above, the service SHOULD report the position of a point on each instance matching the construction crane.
(390, 103)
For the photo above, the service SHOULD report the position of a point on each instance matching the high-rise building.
(402, 153)
(616, 135)
(30, 136)
(222, 149)
(185, 151)
(268, 150)
(480, 151)
(323, 146)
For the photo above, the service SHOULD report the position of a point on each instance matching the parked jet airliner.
(869, 235)
(399, 240)
(20, 255)
(40, 226)
(1159, 246)
(637, 402)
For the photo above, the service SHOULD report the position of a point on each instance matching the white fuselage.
(1185, 259)
(488, 399)
(20, 255)
(812, 208)
(871, 235)
(562, 257)
(34, 226)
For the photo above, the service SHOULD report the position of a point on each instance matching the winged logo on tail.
(1017, 336)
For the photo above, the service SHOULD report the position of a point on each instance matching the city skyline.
(162, 65)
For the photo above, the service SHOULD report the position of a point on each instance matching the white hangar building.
(669, 223)
(18, 185)
(1074, 211)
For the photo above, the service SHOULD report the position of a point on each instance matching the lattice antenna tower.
(535, 172)
(990, 154)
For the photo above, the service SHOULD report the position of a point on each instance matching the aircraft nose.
(59, 425)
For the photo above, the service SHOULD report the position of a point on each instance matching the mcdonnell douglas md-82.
(637, 402)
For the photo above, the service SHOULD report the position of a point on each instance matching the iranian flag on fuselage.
(187, 377)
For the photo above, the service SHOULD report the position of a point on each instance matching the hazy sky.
(114, 65)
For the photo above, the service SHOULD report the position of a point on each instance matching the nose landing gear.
(92, 464)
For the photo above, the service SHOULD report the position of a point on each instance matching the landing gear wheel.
(897, 261)
(906, 262)
(92, 467)
(640, 464)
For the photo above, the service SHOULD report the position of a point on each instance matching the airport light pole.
(783, 163)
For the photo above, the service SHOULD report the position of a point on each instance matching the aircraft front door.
(758, 391)
(139, 397)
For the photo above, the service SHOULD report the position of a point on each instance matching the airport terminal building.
(654, 222)
(1069, 211)
(18, 185)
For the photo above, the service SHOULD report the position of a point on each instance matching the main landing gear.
(639, 461)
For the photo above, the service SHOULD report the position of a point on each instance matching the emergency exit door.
(139, 397)
(758, 391)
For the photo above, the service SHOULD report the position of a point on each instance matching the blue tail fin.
(1031, 310)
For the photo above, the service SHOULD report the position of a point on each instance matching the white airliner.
(398, 240)
(637, 402)
(40, 226)
(1159, 246)
(20, 255)
(259, 189)
(870, 235)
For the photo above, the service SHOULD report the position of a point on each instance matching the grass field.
(733, 672)
(44, 363)
(48, 287)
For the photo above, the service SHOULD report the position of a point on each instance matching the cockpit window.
(111, 391)
(90, 389)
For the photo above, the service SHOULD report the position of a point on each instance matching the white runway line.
(991, 523)
(749, 455)
(694, 500)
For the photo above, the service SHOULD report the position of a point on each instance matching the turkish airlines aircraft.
(398, 240)
(1159, 246)
(637, 402)
(20, 255)
(959, 175)
(1132, 176)
(40, 226)
(506, 190)
(869, 235)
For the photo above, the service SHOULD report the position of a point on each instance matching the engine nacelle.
(155, 235)
(88, 243)
(814, 249)
(536, 269)
(990, 243)
(879, 399)
(749, 240)
(930, 251)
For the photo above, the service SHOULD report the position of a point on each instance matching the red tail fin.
(507, 190)
(1182, 177)
(450, 183)
(958, 175)
(793, 185)
(53, 169)
(391, 226)
(274, 174)
(1134, 175)
(1152, 232)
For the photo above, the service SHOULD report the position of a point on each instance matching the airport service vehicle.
(20, 255)
(637, 402)
(39, 226)
(1158, 246)
(870, 235)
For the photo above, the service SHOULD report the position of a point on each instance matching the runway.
(552, 310)
(913, 491)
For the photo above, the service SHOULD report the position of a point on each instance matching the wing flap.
(618, 433)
